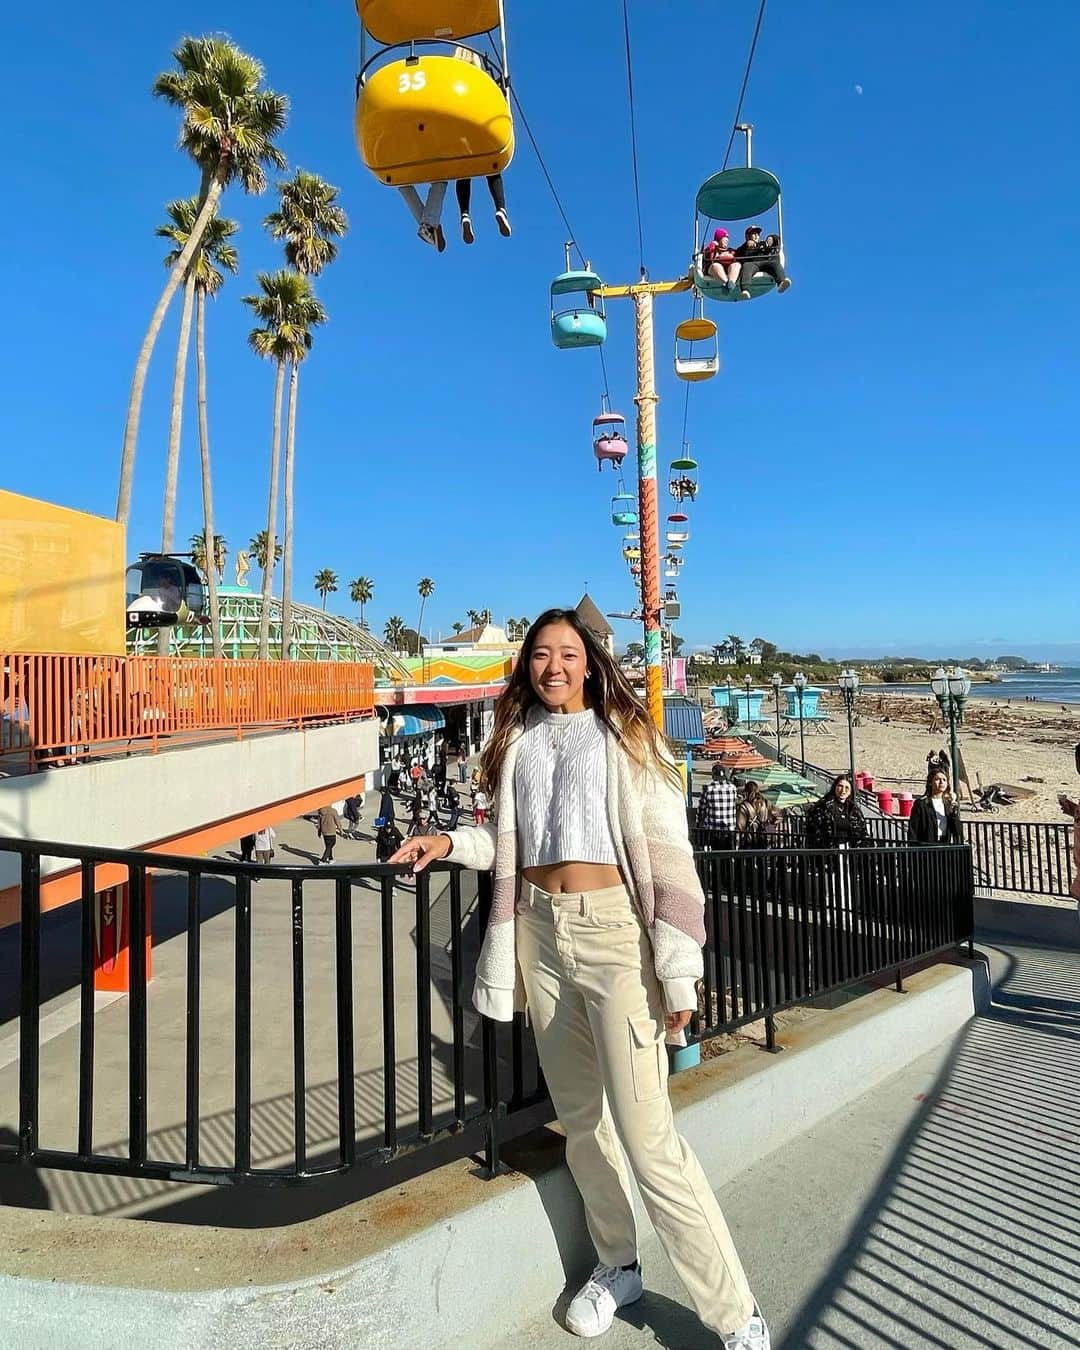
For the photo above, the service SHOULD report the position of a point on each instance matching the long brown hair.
(929, 789)
(607, 692)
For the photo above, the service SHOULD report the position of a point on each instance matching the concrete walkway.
(942, 1210)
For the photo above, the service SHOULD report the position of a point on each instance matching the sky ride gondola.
(738, 194)
(583, 323)
(624, 509)
(431, 118)
(393, 22)
(682, 479)
(678, 531)
(697, 349)
(163, 590)
(609, 437)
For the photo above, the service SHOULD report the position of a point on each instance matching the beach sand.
(1001, 743)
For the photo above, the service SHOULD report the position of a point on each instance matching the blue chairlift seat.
(580, 325)
(624, 509)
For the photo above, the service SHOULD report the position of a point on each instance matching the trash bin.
(884, 798)
(867, 782)
(905, 801)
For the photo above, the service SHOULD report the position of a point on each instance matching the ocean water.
(1060, 686)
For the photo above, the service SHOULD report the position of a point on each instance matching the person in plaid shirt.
(716, 810)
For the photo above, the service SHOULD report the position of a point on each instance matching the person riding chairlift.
(719, 261)
(760, 255)
(427, 211)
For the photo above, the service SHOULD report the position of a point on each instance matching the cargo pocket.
(645, 1062)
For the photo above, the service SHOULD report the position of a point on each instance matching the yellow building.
(61, 580)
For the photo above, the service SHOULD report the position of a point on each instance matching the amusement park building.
(446, 695)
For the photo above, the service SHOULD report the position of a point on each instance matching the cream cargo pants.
(597, 1014)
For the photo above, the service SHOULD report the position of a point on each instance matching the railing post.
(494, 1108)
(29, 1005)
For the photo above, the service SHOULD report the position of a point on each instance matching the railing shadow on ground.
(970, 1238)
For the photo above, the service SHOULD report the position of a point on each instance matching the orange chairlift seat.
(431, 117)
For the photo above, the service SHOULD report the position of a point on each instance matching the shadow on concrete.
(972, 1236)
(61, 938)
(20, 1185)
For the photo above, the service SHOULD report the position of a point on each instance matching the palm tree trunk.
(271, 517)
(176, 419)
(172, 455)
(287, 555)
(419, 627)
(324, 595)
(211, 193)
(204, 457)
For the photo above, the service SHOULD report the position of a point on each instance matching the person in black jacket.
(836, 819)
(760, 255)
(935, 816)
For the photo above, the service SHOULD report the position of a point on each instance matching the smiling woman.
(597, 924)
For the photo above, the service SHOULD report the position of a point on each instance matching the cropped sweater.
(647, 817)
(560, 791)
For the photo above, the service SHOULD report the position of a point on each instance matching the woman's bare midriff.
(566, 877)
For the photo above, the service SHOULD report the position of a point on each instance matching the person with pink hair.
(718, 260)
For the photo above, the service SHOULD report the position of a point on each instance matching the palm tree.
(736, 647)
(473, 616)
(325, 582)
(228, 126)
(288, 309)
(308, 219)
(458, 627)
(259, 549)
(721, 651)
(394, 632)
(198, 553)
(425, 588)
(360, 592)
(204, 278)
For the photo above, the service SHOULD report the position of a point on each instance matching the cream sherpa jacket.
(647, 816)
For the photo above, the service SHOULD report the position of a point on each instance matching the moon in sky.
(858, 88)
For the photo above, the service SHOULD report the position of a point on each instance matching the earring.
(588, 674)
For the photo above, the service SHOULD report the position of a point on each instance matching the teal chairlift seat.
(581, 324)
(624, 509)
(733, 195)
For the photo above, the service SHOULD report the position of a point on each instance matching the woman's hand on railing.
(422, 850)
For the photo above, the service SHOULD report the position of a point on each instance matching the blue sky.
(888, 458)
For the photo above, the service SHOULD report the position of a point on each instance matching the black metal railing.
(289, 1037)
(1027, 857)
(788, 925)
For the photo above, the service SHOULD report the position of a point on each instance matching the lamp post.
(748, 680)
(849, 688)
(727, 686)
(951, 690)
(800, 684)
(776, 683)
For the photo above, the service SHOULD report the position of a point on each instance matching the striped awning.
(417, 720)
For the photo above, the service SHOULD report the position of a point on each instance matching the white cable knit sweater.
(560, 791)
(647, 818)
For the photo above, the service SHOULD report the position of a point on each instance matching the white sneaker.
(753, 1336)
(502, 220)
(608, 1289)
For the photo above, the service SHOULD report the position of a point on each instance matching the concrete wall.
(138, 801)
(446, 1260)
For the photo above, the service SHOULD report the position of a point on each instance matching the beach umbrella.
(775, 773)
(783, 795)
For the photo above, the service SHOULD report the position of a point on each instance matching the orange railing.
(57, 707)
